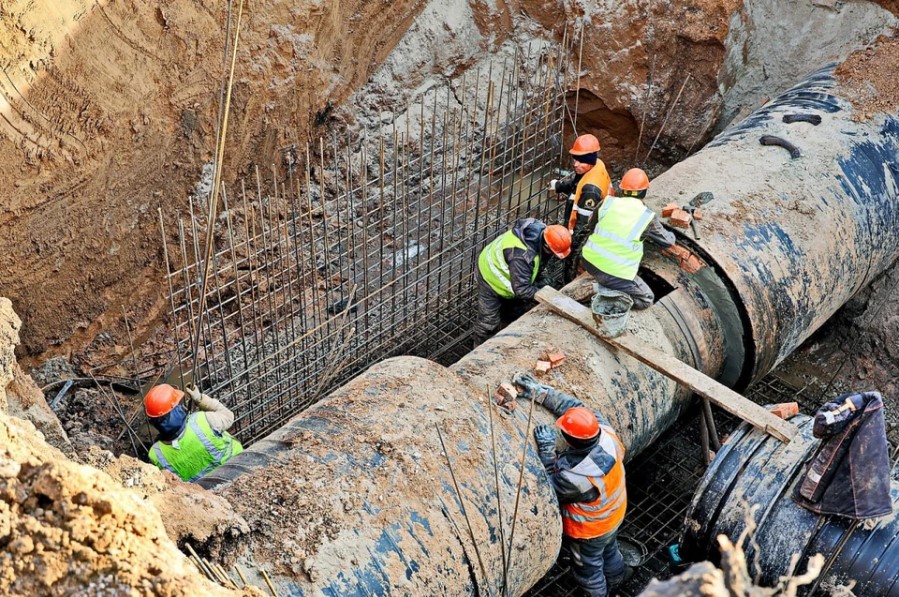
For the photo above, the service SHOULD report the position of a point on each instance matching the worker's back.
(197, 450)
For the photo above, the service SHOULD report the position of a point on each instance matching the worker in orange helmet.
(614, 249)
(509, 268)
(588, 477)
(585, 188)
(189, 445)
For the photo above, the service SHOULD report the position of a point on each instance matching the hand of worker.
(528, 387)
(193, 393)
(553, 183)
(546, 439)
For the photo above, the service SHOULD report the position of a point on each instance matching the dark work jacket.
(521, 262)
(850, 473)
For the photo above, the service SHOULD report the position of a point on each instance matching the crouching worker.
(588, 477)
(509, 269)
(189, 445)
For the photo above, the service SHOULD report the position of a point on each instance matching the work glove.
(193, 393)
(529, 388)
(553, 183)
(546, 442)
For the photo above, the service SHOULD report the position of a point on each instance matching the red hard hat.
(161, 399)
(584, 144)
(579, 422)
(634, 180)
(558, 239)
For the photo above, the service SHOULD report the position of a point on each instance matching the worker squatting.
(607, 231)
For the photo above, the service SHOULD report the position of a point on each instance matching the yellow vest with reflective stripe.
(493, 267)
(199, 450)
(587, 520)
(615, 247)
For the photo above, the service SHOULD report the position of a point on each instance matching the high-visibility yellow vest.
(598, 177)
(615, 247)
(199, 450)
(493, 267)
(587, 520)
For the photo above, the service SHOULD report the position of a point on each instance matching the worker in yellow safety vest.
(614, 249)
(189, 445)
(585, 189)
(509, 268)
(588, 478)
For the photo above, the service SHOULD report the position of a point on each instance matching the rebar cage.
(350, 251)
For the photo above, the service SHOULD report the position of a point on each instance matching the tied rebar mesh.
(344, 253)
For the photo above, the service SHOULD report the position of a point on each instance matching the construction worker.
(587, 186)
(509, 268)
(614, 250)
(189, 445)
(588, 477)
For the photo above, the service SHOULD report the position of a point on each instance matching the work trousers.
(493, 310)
(581, 233)
(636, 288)
(596, 564)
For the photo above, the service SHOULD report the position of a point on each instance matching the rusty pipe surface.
(354, 497)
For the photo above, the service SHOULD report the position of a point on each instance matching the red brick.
(679, 218)
(542, 367)
(785, 410)
(691, 265)
(697, 214)
(666, 211)
(556, 359)
(505, 392)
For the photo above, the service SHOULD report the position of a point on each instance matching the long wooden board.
(669, 366)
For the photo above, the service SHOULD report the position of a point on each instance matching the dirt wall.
(108, 112)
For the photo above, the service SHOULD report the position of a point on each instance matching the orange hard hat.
(634, 180)
(161, 399)
(579, 422)
(558, 239)
(584, 144)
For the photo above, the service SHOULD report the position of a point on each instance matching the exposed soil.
(68, 529)
(109, 112)
(869, 78)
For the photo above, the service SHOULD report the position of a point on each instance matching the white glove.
(195, 395)
(553, 183)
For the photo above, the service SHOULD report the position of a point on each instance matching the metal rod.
(474, 542)
(524, 455)
(499, 501)
(667, 115)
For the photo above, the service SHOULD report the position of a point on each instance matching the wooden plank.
(671, 367)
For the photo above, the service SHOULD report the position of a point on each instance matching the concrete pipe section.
(356, 495)
(753, 468)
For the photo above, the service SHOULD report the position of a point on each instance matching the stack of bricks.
(687, 261)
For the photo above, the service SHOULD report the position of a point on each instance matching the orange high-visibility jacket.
(598, 177)
(587, 520)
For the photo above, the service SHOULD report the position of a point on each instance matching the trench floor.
(660, 485)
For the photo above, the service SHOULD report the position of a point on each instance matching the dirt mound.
(869, 78)
(68, 529)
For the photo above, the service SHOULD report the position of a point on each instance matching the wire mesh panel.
(349, 251)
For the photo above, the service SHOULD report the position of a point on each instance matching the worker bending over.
(588, 477)
(614, 250)
(586, 188)
(189, 445)
(508, 268)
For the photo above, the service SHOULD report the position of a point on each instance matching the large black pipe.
(754, 470)
(360, 498)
